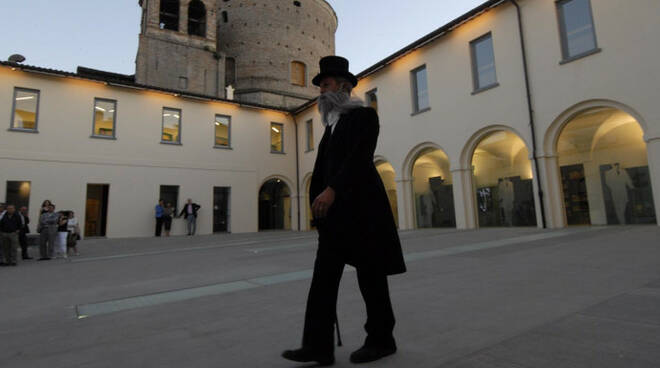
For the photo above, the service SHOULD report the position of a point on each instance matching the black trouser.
(159, 225)
(318, 333)
(22, 239)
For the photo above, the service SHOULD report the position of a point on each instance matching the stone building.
(518, 113)
(265, 50)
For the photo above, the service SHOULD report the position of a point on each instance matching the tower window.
(298, 73)
(169, 14)
(296, 3)
(197, 18)
(225, 17)
(230, 72)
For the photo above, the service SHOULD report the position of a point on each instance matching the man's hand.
(323, 202)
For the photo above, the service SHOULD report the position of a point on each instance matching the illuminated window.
(578, 35)
(483, 63)
(298, 73)
(105, 113)
(372, 99)
(222, 131)
(197, 18)
(26, 109)
(432, 190)
(310, 135)
(420, 90)
(276, 138)
(171, 132)
(169, 15)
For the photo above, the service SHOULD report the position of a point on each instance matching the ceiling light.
(99, 108)
(24, 98)
(276, 130)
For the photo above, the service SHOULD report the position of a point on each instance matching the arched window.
(169, 14)
(298, 73)
(197, 18)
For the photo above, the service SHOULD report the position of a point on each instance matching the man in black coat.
(22, 236)
(354, 221)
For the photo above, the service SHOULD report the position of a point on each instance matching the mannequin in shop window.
(618, 181)
(505, 194)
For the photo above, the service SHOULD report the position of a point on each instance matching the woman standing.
(44, 207)
(74, 234)
(62, 233)
(168, 211)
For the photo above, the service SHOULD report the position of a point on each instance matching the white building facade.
(531, 113)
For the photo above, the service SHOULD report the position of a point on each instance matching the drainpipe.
(295, 123)
(531, 112)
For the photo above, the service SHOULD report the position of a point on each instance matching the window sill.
(223, 147)
(34, 131)
(580, 56)
(420, 111)
(278, 153)
(171, 143)
(103, 137)
(483, 89)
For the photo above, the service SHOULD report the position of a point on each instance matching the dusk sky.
(103, 35)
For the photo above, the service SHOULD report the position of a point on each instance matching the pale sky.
(102, 34)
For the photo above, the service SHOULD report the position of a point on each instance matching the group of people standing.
(59, 232)
(165, 212)
(13, 230)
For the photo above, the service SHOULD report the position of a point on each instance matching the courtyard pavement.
(492, 298)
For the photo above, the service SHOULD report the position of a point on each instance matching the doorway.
(96, 210)
(220, 209)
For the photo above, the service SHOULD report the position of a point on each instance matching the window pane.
(422, 89)
(310, 135)
(171, 125)
(25, 109)
(485, 62)
(222, 131)
(298, 73)
(104, 118)
(276, 138)
(372, 100)
(578, 28)
(18, 193)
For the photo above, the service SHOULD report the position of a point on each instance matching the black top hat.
(334, 66)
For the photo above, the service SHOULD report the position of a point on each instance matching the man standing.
(189, 212)
(159, 217)
(10, 226)
(354, 221)
(22, 236)
(47, 230)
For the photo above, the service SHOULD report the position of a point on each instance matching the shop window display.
(504, 183)
(604, 170)
(433, 190)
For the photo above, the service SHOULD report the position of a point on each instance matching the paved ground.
(496, 298)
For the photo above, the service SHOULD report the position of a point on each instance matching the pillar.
(404, 202)
(653, 152)
(464, 199)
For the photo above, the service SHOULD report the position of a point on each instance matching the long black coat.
(359, 226)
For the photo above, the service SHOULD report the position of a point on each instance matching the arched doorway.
(503, 179)
(433, 190)
(604, 170)
(387, 175)
(274, 206)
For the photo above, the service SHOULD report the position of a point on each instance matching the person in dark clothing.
(22, 236)
(354, 220)
(189, 212)
(10, 226)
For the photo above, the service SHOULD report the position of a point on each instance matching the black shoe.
(367, 354)
(44, 259)
(2, 264)
(27, 257)
(304, 355)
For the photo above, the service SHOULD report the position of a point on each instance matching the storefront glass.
(432, 190)
(504, 182)
(604, 170)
